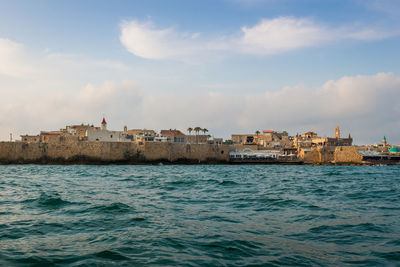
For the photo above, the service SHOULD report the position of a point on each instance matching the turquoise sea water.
(199, 215)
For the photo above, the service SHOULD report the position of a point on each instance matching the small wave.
(189, 182)
(395, 242)
(311, 217)
(391, 255)
(114, 208)
(358, 228)
(219, 219)
(212, 181)
(333, 173)
(228, 183)
(111, 255)
(294, 261)
(234, 248)
(47, 201)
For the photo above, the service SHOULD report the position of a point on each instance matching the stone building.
(243, 139)
(96, 134)
(173, 136)
(141, 135)
(268, 139)
(30, 138)
(77, 130)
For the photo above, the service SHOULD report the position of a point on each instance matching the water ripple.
(199, 215)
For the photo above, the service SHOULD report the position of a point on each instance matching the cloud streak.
(269, 36)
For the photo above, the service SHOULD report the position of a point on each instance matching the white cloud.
(269, 36)
(13, 59)
(280, 34)
(144, 40)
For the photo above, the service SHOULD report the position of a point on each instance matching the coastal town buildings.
(267, 146)
(311, 139)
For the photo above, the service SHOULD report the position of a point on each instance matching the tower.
(125, 128)
(384, 143)
(104, 124)
(337, 132)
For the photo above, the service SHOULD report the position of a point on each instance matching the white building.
(96, 134)
(257, 154)
(103, 135)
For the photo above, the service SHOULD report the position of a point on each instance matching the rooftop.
(176, 132)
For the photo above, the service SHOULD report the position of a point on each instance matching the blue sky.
(230, 65)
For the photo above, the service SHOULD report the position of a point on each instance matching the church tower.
(104, 124)
(337, 132)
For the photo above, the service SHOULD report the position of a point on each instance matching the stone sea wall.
(333, 155)
(111, 152)
(348, 155)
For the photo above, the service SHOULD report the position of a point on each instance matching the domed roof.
(394, 149)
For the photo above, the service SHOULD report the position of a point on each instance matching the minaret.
(104, 124)
(384, 143)
(337, 132)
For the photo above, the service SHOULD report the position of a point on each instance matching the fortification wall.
(347, 154)
(318, 155)
(98, 152)
(186, 152)
(327, 154)
(312, 157)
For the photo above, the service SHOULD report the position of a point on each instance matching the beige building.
(173, 136)
(266, 139)
(30, 138)
(140, 135)
(177, 136)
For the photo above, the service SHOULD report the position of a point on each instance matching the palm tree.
(197, 130)
(190, 129)
(204, 130)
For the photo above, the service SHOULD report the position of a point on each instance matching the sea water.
(185, 215)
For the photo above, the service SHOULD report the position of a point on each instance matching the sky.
(231, 66)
